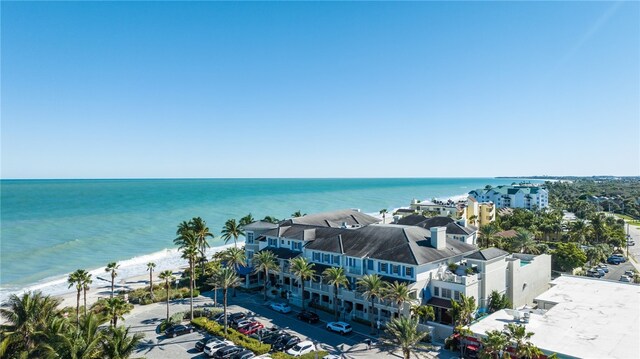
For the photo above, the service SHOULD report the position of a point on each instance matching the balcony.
(354, 270)
(317, 286)
(465, 280)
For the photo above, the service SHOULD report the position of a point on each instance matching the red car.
(251, 328)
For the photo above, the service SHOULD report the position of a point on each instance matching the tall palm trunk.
(78, 308)
(167, 286)
(302, 294)
(335, 302)
(266, 276)
(406, 352)
(400, 308)
(85, 301)
(215, 296)
(113, 280)
(151, 281)
(191, 280)
(224, 304)
(372, 308)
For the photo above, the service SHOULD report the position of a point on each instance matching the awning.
(393, 279)
(473, 347)
(439, 302)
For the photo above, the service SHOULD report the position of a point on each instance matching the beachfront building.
(469, 210)
(578, 317)
(455, 229)
(436, 266)
(518, 196)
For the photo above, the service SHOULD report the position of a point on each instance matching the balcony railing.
(354, 270)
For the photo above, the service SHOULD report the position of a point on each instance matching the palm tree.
(234, 258)
(117, 344)
(226, 279)
(487, 234)
(85, 281)
(384, 212)
(403, 332)
(423, 312)
(518, 337)
(335, 277)
(271, 219)
(213, 268)
(82, 341)
(150, 267)
(524, 242)
(232, 230)
(75, 278)
(462, 311)
(372, 287)
(264, 261)
(116, 308)
(168, 277)
(297, 214)
(494, 343)
(579, 230)
(191, 253)
(200, 229)
(301, 268)
(398, 293)
(26, 319)
(111, 268)
(246, 220)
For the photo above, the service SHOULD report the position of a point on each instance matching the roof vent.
(345, 225)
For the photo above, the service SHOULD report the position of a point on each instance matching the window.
(436, 291)
(395, 269)
(351, 261)
(273, 242)
(316, 256)
(456, 295)
(336, 259)
(446, 293)
(408, 271)
(326, 258)
(383, 267)
(250, 237)
(282, 241)
(249, 255)
(369, 264)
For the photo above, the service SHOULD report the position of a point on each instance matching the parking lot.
(145, 320)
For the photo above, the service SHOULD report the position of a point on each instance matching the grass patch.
(312, 355)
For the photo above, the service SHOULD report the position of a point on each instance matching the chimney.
(439, 237)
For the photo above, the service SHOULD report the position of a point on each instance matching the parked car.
(175, 330)
(618, 255)
(262, 334)
(308, 316)
(301, 348)
(630, 242)
(600, 271)
(275, 338)
(281, 307)
(330, 356)
(212, 347)
(594, 273)
(235, 318)
(227, 351)
(245, 354)
(200, 344)
(285, 343)
(604, 267)
(625, 278)
(242, 323)
(614, 260)
(251, 328)
(629, 273)
(339, 327)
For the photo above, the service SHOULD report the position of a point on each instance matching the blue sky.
(149, 89)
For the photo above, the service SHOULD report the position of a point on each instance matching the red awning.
(473, 347)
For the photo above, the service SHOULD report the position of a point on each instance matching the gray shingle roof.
(260, 225)
(487, 254)
(394, 243)
(333, 219)
(282, 253)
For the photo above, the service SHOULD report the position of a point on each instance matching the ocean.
(50, 228)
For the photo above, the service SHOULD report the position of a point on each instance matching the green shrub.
(233, 335)
(312, 355)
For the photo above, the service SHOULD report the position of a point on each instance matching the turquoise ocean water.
(52, 227)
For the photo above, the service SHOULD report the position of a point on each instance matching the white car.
(281, 307)
(330, 356)
(339, 327)
(625, 278)
(212, 347)
(244, 323)
(302, 348)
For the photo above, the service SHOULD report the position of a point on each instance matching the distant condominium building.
(473, 213)
(520, 196)
(434, 257)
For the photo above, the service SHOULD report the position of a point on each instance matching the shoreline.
(132, 272)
